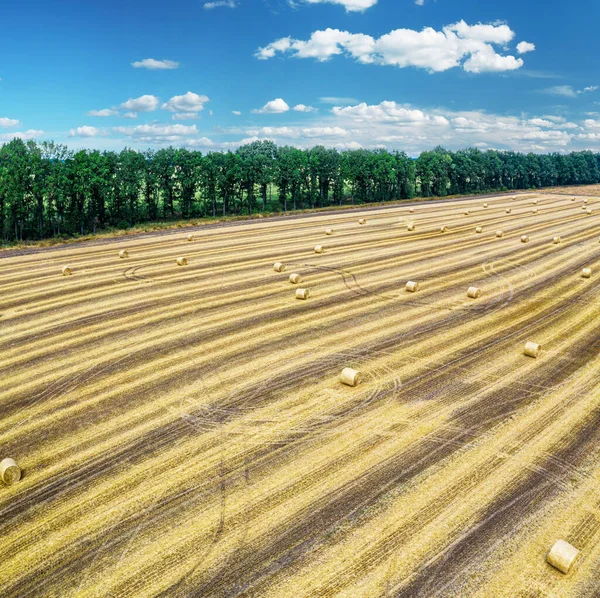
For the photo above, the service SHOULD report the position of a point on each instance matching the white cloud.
(459, 45)
(524, 47)
(158, 130)
(415, 130)
(420, 2)
(349, 5)
(155, 65)
(24, 135)
(568, 91)
(104, 112)
(160, 134)
(130, 115)
(297, 132)
(202, 142)
(85, 131)
(303, 108)
(220, 3)
(324, 132)
(145, 103)
(236, 112)
(337, 100)
(540, 122)
(8, 122)
(387, 111)
(277, 106)
(185, 116)
(189, 104)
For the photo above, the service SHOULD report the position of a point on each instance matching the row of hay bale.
(562, 555)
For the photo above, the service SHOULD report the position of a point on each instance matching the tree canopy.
(47, 190)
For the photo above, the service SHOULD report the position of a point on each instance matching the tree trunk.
(263, 191)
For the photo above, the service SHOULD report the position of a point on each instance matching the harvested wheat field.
(182, 430)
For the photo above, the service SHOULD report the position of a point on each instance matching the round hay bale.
(302, 294)
(279, 267)
(123, 253)
(479, 230)
(443, 229)
(586, 273)
(295, 278)
(508, 210)
(467, 212)
(485, 205)
(10, 472)
(574, 199)
(585, 200)
(534, 211)
(319, 249)
(411, 226)
(412, 210)
(474, 293)
(524, 239)
(583, 207)
(412, 287)
(535, 202)
(182, 261)
(66, 271)
(350, 377)
(190, 237)
(588, 211)
(562, 556)
(329, 231)
(556, 240)
(499, 233)
(362, 221)
(532, 350)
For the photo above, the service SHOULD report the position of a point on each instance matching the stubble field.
(183, 431)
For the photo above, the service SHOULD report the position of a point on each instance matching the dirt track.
(183, 432)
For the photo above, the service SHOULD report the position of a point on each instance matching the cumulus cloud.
(386, 111)
(277, 106)
(524, 47)
(8, 122)
(415, 130)
(202, 142)
(297, 132)
(349, 5)
(85, 131)
(155, 65)
(145, 103)
(220, 4)
(303, 108)
(159, 133)
(157, 130)
(471, 47)
(24, 135)
(236, 112)
(130, 115)
(186, 106)
(104, 112)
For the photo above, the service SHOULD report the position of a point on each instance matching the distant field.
(580, 190)
(183, 431)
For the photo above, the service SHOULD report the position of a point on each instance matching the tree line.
(47, 190)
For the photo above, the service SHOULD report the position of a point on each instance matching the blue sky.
(401, 74)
